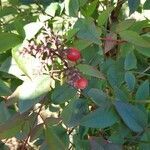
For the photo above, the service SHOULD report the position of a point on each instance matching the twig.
(117, 41)
(143, 73)
(71, 131)
(30, 132)
(141, 101)
(115, 12)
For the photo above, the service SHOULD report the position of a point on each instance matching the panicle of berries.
(75, 79)
(50, 47)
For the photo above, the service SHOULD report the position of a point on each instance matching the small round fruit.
(73, 54)
(81, 83)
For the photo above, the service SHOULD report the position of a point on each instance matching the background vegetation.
(37, 105)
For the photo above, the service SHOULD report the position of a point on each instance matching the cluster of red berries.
(75, 79)
(47, 55)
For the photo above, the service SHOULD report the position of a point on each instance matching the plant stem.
(30, 132)
(109, 39)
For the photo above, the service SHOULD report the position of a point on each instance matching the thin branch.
(141, 101)
(117, 41)
(30, 132)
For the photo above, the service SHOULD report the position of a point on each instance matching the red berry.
(73, 54)
(81, 83)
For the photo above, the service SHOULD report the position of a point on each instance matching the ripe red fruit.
(81, 83)
(73, 54)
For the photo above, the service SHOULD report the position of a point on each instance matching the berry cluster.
(49, 49)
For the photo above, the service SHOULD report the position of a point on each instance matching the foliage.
(39, 102)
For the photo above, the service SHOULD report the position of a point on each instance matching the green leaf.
(10, 66)
(93, 55)
(133, 117)
(119, 94)
(18, 25)
(32, 29)
(81, 44)
(4, 56)
(30, 65)
(4, 89)
(73, 112)
(8, 40)
(98, 143)
(103, 17)
(87, 30)
(62, 94)
(31, 92)
(4, 113)
(119, 134)
(146, 5)
(100, 118)
(134, 38)
(143, 91)
(72, 7)
(130, 80)
(130, 61)
(133, 5)
(56, 138)
(145, 145)
(7, 10)
(71, 33)
(12, 126)
(82, 2)
(143, 50)
(124, 25)
(90, 8)
(138, 26)
(82, 144)
(52, 9)
(111, 146)
(115, 76)
(51, 121)
(98, 96)
(90, 70)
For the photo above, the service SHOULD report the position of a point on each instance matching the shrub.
(74, 74)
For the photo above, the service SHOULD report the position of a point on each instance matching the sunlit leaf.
(124, 25)
(72, 7)
(143, 50)
(31, 92)
(30, 65)
(134, 38)
(32, 29)
(103, 17)
(52, 9)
